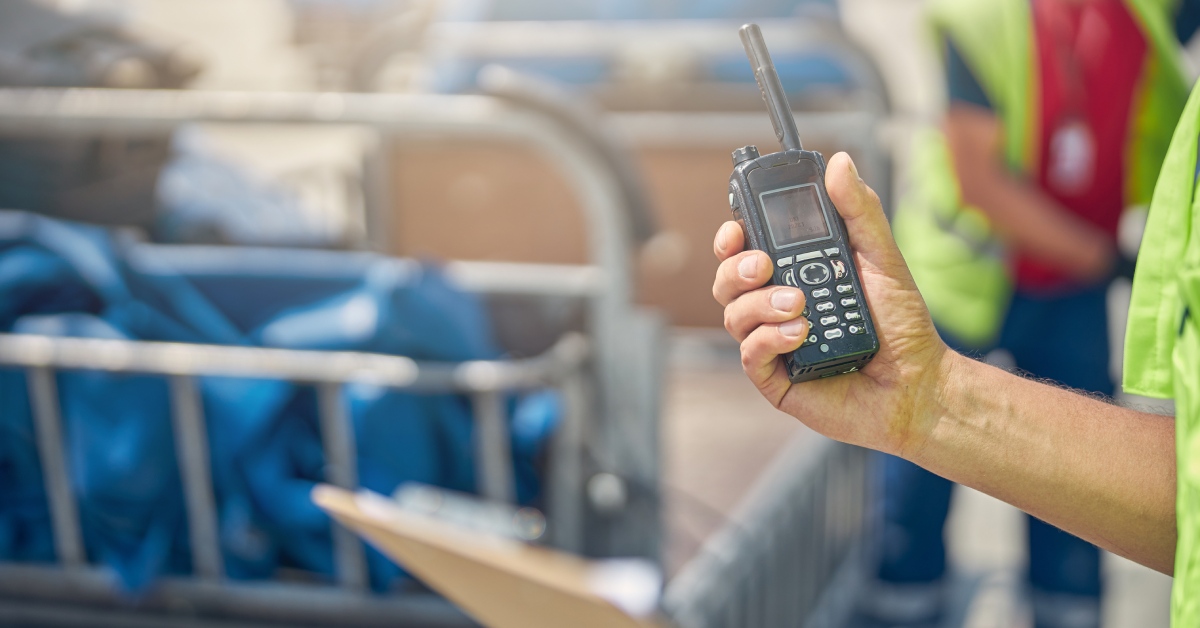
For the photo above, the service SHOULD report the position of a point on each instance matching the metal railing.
(792, 553)
(624, 339)
(209, 592)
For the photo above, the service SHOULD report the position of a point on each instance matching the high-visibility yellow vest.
(1162, 343)
(956, 259)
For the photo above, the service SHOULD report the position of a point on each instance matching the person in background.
(1059, 115)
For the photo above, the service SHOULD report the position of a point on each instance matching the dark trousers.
(1062, 338)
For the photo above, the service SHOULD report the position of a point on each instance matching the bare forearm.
(1029, 219)
(1038, 226)
(1104, 473)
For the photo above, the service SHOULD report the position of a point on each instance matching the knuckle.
(729, 323)
(747, 356)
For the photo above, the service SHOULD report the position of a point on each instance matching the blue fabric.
(64, 279)
(1063, 338)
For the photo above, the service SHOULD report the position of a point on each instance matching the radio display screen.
(794, 215)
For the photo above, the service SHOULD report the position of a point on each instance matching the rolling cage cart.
(799, 530)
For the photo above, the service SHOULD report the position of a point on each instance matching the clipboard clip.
(470, 512)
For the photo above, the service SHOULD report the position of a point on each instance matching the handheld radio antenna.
(771, 88)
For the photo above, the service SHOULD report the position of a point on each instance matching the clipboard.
(499, 582)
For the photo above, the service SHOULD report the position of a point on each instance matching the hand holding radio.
(889, 404)
(839, 336)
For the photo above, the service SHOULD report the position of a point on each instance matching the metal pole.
(191, 447)
(64, 516)
(493, 446)
(341, 463)
(565, 481)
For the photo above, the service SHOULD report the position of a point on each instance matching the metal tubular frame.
(562, 366)
(791, 554)
(631, 421)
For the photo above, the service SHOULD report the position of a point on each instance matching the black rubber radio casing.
(841, 337)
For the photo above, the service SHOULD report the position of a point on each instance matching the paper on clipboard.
(500, 582)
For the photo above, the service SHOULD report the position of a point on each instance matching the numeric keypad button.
(833, 334)
(824, 307)
(827, 321)
(857, 329)
(850, 302)
(845, 288)
(853, 316)
(821, 293)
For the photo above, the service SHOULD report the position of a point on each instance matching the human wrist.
(941, 389)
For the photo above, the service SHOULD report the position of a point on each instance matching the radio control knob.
(745, 153)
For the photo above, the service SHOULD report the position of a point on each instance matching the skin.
(1104, 473)
(1027, 218)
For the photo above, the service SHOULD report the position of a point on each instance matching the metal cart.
(801, 525)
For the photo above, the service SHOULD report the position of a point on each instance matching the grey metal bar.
(377, 194)
(493, 448)
(124, 356)
(566, 476)
(43, 396)
(341, 469)
(291, 603)
(191, 447)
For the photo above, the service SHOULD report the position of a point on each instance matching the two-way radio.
(781, 203)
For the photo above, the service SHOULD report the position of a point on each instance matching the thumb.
(860, 208)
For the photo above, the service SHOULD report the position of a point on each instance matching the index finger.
(729, 241)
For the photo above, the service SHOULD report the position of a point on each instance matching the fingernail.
(784, 300)
(748, 267)
(794, 328)
(721, 241)
(853, 168)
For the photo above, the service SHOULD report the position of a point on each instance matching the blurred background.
(212, 209)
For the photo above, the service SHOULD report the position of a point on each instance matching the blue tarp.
(65, 279)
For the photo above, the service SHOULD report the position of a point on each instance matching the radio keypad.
(836, 322)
